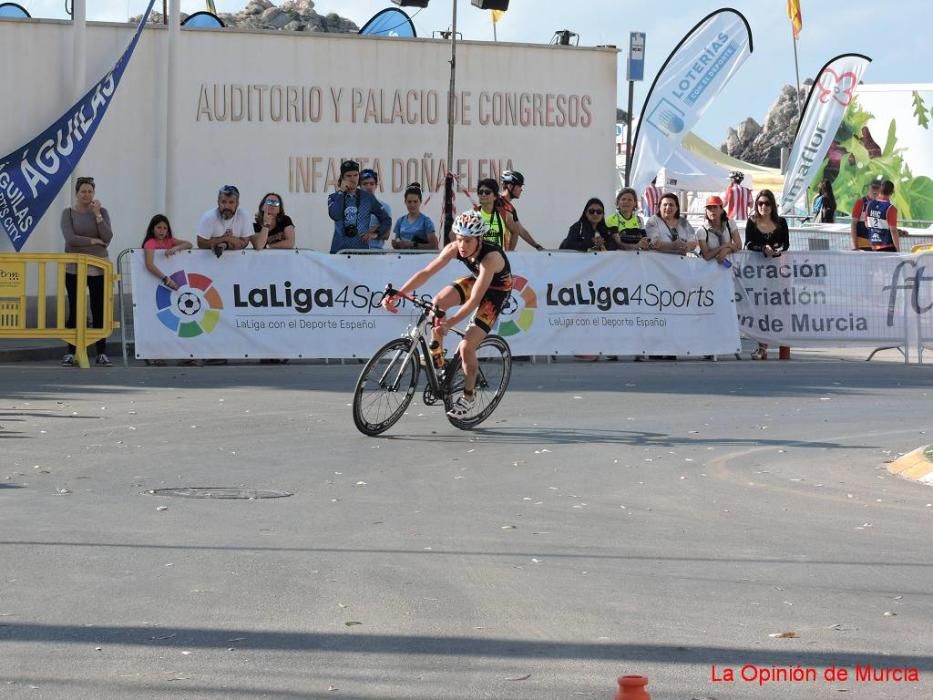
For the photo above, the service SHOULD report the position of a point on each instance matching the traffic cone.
(632, 688)
(784, 352)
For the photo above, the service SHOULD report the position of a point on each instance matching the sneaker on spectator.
(461, 408)
(68, 360)
(103, 360)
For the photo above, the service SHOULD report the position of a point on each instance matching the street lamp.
(451, 99)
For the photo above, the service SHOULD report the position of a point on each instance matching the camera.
(350, 231)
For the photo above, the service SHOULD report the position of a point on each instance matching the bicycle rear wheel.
(492, 379)
(385, 387)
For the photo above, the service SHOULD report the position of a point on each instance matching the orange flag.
(796, 18)
(497, 15)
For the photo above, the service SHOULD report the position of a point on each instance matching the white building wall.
(564, 165)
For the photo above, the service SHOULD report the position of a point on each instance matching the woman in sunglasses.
(718, 235)
(766, 233)
(273, 227)
(501, 225)
(589, 232)
(86, 229)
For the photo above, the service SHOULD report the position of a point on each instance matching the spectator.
(272, 226)
(626, 228)
(502, 227)
(414, 231)
(351, 210)
(589, 232)
(857, 228)
(824, 206)
(369, 181)
(718, 235)
(86, 229)
(513, 182)
(666, 231)
(651, 198)
(226, 227)
(159, 237)
(881, 221)
(766, 233)
(738, 199)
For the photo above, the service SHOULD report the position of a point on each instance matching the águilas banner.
(826, 104)
(31, 176)
(390, 22)
(692, 76)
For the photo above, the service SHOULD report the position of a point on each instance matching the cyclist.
(513, 182)
(484, 292)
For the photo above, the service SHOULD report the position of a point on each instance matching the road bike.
(389, 380)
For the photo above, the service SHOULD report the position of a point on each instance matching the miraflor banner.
(301, 304)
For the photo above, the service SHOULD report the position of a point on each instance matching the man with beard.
(227, 226)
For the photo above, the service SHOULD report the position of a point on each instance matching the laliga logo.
(837, 87)
(521, 308)
(191, 310)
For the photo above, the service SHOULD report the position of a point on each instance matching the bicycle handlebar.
(437, 313)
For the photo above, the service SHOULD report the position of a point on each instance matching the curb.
(916, 465)
(32, 354)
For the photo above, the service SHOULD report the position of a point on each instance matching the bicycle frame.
(419, 333)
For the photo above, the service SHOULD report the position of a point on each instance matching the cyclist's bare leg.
(472, 338)
(445, 298)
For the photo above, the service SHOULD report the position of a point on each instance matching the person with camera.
(226, 226)
(351, 208)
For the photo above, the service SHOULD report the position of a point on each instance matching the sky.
(830, 27)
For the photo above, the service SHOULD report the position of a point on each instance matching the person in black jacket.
(589, 232)
(766, 232)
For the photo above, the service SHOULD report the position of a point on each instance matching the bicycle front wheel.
(494, 370)
(386, 387)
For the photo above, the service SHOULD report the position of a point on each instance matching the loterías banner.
(826, 104)
(692, 76)
(31, 176)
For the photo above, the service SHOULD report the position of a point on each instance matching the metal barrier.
(14, 317)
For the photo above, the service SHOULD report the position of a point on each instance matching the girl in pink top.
(159, 237)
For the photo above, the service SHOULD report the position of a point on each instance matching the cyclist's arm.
(448, 253)
(491, 265)
(525, 235)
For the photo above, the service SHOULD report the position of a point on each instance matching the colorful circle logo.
(191, 310)
(520, 308)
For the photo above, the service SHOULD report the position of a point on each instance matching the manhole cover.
(219, 492)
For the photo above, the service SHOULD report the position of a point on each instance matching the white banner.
(694, 74)
(809, 298)
(301, 304)
(829, 97)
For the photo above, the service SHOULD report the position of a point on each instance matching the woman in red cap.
(718, 236)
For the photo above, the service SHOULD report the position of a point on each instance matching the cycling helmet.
(513, 177)
(737, 175)
(469, 223)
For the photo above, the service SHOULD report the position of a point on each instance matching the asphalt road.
(652, 518)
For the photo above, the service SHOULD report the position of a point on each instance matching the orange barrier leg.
(784, 352)
(632, 688)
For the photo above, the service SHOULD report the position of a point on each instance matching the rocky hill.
(761, 144)
(291, 15)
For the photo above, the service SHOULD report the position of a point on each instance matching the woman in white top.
(718, 236)
(667, 232)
